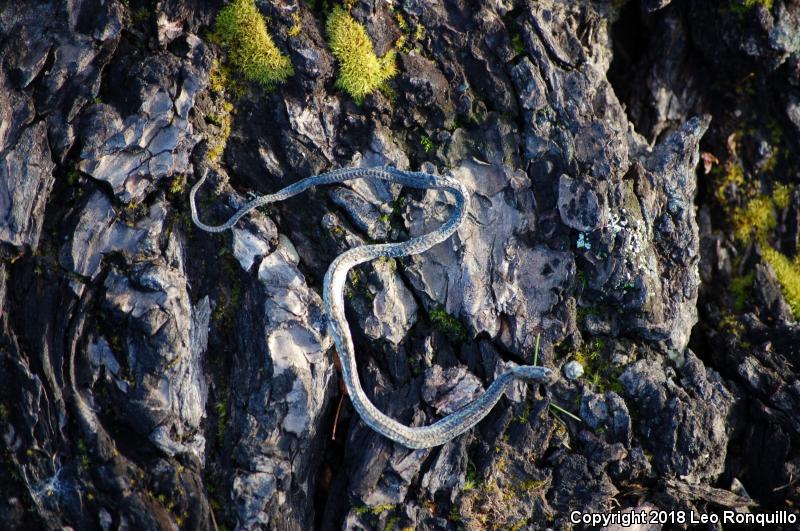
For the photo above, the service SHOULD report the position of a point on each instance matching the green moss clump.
(754, 222)
(217, 78)
(427, 144)
(729, 181)
(788, 274)
(447, 324)
(757, 218)
(740, 289)
(297, 25)
(218, 142)
(376, 510)
(361, 72)
(241, 29)
(741, 8)
(782, 195)
(729, 324)
(401, 21)
(600, 373)
(516, 44)
(532, 484)
(83, 454)
(178, 185)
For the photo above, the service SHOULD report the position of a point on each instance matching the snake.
(413, 437)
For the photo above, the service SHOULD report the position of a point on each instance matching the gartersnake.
(450, 426)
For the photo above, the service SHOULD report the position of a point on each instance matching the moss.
(525, 416)
(178, 185)
(217, 77)
(228, 300)
(782, 195)
(740, 290)
(471, 480)
(388, 92)
(742, 7)
(361, 72)
(788, 274)
(221, 409)
(409, 38)
(140, 15)
(355, 277)
(469, 485)
(297, 25)
(584, 312)
(222, 83)
(222, 120)
(516, 44)
(729, 180)
(391, 523)
(401, 21)
(772, 161)
(241, 30)
(376, 510)
(731, 325)
(532, 484)
(447, 324)
(402, 44)
(172, 363)
(419, 32)
(757, 219)
(83, 454)
(754, 222)
(427, 144)
(596, 369)
(502, 499)
(390, 263)
(398, 205)
(73, 175)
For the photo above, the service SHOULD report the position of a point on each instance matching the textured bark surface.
(154, 376)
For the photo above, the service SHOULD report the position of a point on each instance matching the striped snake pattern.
(445, 429)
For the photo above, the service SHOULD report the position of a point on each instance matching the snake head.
(534, 373)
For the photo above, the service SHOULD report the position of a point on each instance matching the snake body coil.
(450, 426)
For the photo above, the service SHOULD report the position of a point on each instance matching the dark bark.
(153, 375)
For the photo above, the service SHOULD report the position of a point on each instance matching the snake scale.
(451, 425)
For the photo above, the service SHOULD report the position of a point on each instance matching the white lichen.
(634, 242)
(583, 241)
